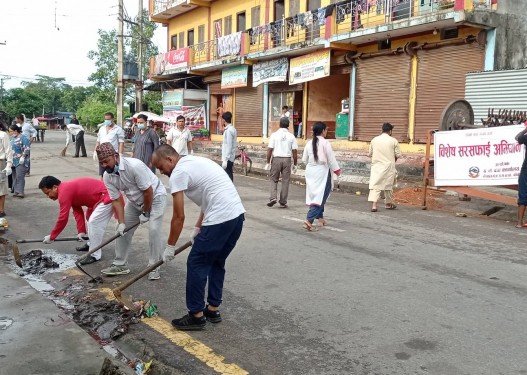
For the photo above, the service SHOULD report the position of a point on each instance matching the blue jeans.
(317, 212)
(206, 261)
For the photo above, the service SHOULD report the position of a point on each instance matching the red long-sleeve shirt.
(76, 194)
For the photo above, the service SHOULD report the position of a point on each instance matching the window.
(190, 37)
(255, 16)
(279, 10)
(385, 44)
(449, 33)
(173, 41)
(217, 29)
(228, 25)
(313, 4)
(201, 34)
(294, 7)
(277, 100)
(181, 39)
(240, 22)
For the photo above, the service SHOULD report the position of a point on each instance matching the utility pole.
(139, 84)
(120, 53)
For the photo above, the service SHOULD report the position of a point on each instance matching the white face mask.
(141, 126)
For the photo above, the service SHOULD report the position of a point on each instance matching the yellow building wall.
(225, 8)
(187, 21)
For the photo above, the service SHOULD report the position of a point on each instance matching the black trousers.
(79, 144)
(229, 169)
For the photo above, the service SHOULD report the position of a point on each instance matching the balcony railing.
(160, 6)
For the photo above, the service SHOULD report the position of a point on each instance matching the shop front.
(221, 100)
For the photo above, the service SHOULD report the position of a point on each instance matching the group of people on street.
(214, 235)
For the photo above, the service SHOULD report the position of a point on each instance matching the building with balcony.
(398, 61)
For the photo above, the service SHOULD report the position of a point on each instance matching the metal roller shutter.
(441, 79)
(248, 117)
(383, 87)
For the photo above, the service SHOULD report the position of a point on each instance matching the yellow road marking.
(189, 344)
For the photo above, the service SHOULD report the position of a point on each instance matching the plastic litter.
(140, 367)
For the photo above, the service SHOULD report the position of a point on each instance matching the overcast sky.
(37, 44)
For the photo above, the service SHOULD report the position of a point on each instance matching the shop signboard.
(309, 67)
(270, 71)
(235, 76)
(478, 157)
(169, 61)
(194, 119)
(172, 99)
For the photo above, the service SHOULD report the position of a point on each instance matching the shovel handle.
(56, 240)
(108, 241)
(150, 269)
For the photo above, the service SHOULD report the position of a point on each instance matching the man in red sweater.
(74, 195)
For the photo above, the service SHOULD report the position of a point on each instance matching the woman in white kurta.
(320, 164)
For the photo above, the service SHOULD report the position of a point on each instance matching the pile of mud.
(36, 263)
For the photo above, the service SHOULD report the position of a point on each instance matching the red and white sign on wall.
(166, 62)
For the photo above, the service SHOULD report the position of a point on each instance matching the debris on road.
(461, 214)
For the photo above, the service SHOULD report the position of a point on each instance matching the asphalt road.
(394, 292)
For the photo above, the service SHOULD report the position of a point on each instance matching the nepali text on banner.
(270, 71)
(309, 67)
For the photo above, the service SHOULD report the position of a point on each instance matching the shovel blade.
(16, 254)
(123, 300)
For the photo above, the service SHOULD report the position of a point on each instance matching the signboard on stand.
(478, 157)
(309, 67)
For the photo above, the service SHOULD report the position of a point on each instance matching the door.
(313, 31)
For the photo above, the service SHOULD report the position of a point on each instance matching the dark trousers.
(230, 164)
(206, 262)
(317, 212)
(79, 144)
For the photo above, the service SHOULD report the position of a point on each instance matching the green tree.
(49, 90)
(153, 100)
(74, 97)
(20, 100)
(92, 111)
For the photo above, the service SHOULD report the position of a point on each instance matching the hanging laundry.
(290, 27)
(308, 19)
(321, 14)
(329, 10)
(229, 44)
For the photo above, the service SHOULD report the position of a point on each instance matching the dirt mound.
(36, 263)
(414, 196)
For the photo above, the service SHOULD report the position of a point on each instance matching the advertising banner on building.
(235, 76)
(270, 71)
(194, 119)
(478, 157)
(172, 99)
(171, 60)
(309, 67)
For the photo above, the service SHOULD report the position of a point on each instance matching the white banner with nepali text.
(478, 157)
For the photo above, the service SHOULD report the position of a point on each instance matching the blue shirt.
(20, 146)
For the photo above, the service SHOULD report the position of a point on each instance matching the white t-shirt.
(206, 184)
(283, 143)
(286, 114)
(179, 139)
(115, 136)
(133, 179)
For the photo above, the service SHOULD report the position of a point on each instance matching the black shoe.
(212, 316)
(84, 156)
(88, 260)
(76, 156)
(84, 247)
(283, 205)
(271, 203)
(190, 323)
(2, 214)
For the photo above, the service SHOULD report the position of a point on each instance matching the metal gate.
(248, 109)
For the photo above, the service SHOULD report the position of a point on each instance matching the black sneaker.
(88, 260)
(212, 316)
(84, 247)
(271, 203)
(189, 323)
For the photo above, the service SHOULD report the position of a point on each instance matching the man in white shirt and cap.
(146, 196)
(180, 137)
(109, 132)
(282, 146)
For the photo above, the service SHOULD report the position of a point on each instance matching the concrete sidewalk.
(37, 337)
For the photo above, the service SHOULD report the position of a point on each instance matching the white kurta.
(317, 171)
(384, 150)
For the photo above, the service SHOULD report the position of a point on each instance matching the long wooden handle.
(108, 241)
(145, 272)
(56, 239)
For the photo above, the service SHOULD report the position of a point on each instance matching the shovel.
(16, 254)
(127, 302)
(55, 240)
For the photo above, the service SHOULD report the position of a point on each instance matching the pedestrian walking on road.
(215, 233)
(146, 197)
(20, 146)
(74, 195)
(180, 137)
(384, 152)
(321, 164)
(76, 133)
(521, 138)
(6, 162)
(230, 143)
(282, 146)
(109, 132)
(146, 141)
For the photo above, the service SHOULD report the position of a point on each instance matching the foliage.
(153, 100)
(92, 112)
(20, 100)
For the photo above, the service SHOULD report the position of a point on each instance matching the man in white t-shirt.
(282, 146)
(146, 200)
(109, 132)
(180, 138)
(215, 234)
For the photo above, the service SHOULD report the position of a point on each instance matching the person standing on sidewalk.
(20, 146)
(109, 132)
(76, 132)
(30, 133)
(146, 141)
(320, 164)
(282, 145)
(74, 195)
(230, 142)
(6, 162)
(146, 197)
(384, 152)
(215, 234)
(521, 138)
(180, 138)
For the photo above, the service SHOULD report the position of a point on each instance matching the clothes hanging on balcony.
(229, 44)
(290, 26)
(308, 19)
(276, 31)
(254, 34)
(321, 15)
(341, 12)
(329, 10)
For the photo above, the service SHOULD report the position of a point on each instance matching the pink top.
(76, 194)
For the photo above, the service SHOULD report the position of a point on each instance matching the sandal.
(390, 206)
(373, 210)
(322, 222)
(309, 227)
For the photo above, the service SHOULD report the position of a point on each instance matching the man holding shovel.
(74, 195)
(146, 197)
(215, 234)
